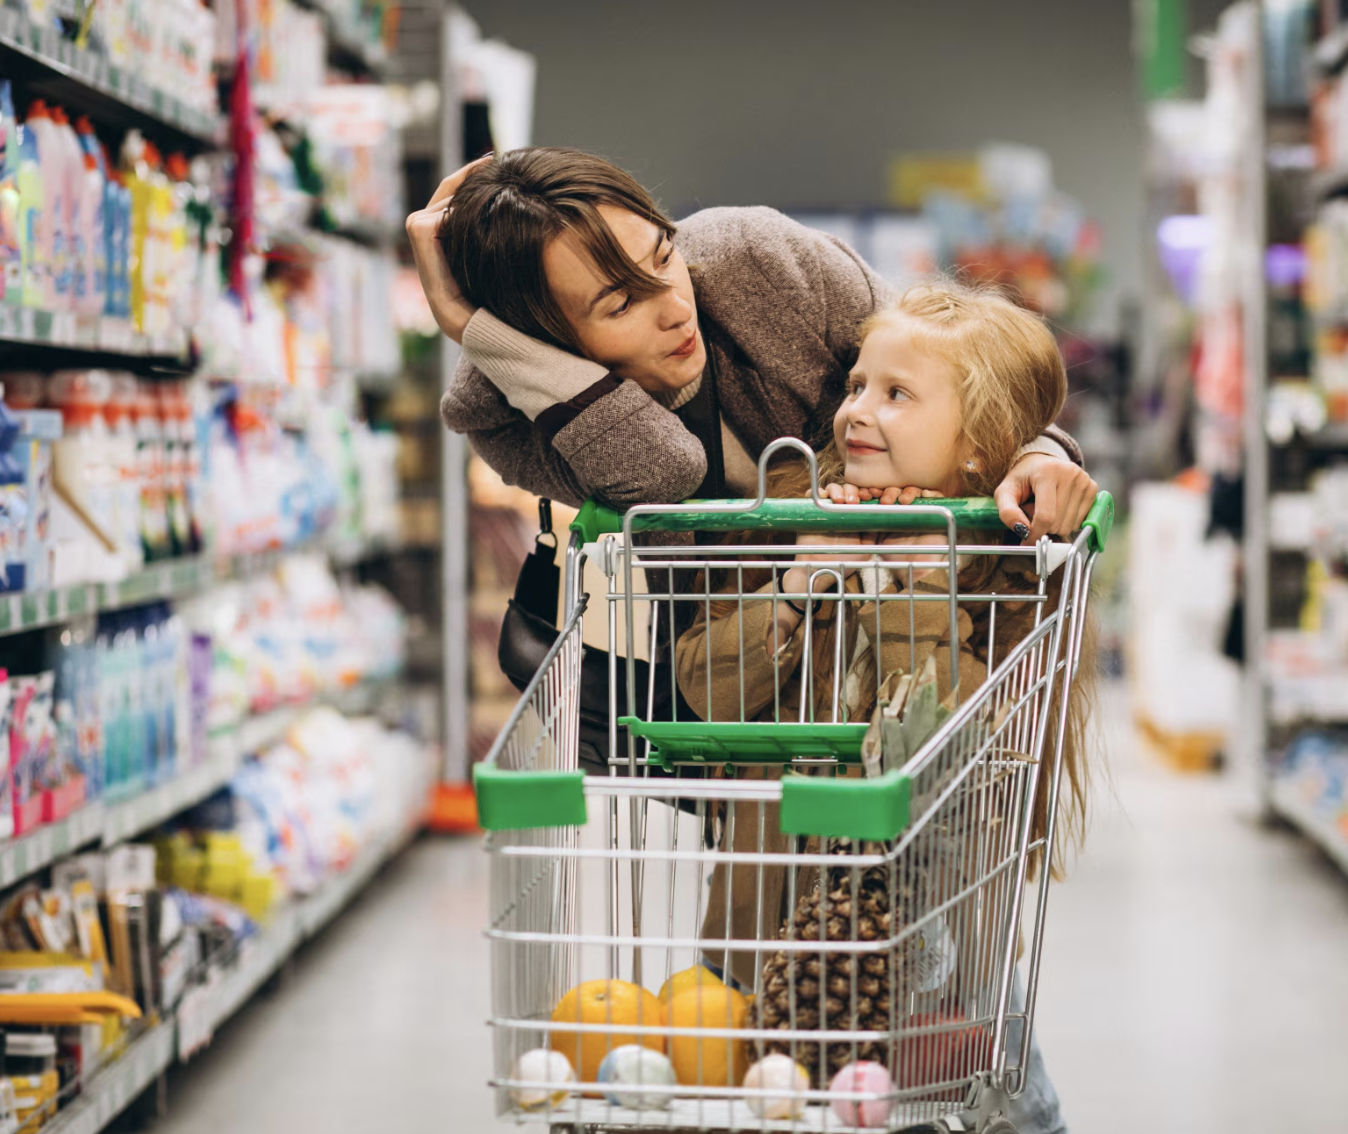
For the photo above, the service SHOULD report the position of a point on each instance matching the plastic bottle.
(6, 780)
(11, 254)
(157, 267)
(72, 175)
(117, 222)
(136, 172)
(154, 530)
(175, 474)
(53, 230)
(92, 292)
(82, 458)
(13, 505)
(34, 250)
(119, 416)
(181, 287)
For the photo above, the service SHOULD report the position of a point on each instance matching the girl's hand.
(1062, 495)
(448, 305)
(851, 494)
(926, 564)
(796, 580)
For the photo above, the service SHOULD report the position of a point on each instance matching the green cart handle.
(595, 519)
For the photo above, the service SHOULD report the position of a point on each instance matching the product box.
(34, 454)
(30, 746)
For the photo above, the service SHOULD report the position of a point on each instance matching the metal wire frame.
(968, 848)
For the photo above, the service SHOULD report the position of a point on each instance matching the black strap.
(537, 588)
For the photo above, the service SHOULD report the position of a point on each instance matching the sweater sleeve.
(620, 446)
(718, 660)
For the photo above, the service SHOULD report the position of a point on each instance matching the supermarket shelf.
(112, 822)
(1331, 52)
(117, 1086)
(205, 1009)
(128, 818)
(262, 956)
(87, 83)
(347, 48)
(177, 578)
(1287, 802)
(85, 338)
(1330, 182)
(30, 853)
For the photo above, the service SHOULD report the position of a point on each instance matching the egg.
(635, 1066)
(777, 1073)
(863, 1078)
(541, 1065)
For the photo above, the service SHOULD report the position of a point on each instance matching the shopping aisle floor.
(1195, 981)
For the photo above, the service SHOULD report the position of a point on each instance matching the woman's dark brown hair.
(506, 213)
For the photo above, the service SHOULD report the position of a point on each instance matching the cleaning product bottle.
(34, 250)
(81, 459)
(56, 211)
(157, 267)
(136, 171)
(72, 179)
(6, 780)
(175, 480)
(181, 290)
(13, 504)
(117, 221)
(150, 460)
(11, 254)
(92, 291)
(119, 416)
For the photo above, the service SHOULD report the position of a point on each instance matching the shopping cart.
(861, 918)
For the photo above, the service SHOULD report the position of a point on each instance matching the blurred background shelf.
(87, 83)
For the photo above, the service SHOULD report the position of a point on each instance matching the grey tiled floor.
(1196, 981)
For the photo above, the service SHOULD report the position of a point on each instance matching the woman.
(602, 360)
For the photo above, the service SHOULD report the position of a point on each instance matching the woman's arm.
(619, 445)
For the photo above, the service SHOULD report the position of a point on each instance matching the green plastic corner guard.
(844, 807)
(517, 801)
(1100, 520)
(595, 519)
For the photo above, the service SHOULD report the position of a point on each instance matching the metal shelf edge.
(1291, 807)
(116, 1086)
(99, 74)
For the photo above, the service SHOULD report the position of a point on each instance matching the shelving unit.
(1289, 802)
(65, 339)
(89, 84)
(47, 65)
(109, 822)
(208, 1007)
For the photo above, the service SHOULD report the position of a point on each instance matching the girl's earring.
(971, 465)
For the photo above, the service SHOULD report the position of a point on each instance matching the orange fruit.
(688, 978)
(709, 1061)
(615, 1004)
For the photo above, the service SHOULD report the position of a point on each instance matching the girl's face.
(900, 423)
(652, 342)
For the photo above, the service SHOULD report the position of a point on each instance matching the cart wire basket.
(821, 811)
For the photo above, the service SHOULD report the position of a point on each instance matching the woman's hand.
(1062, 493)
(448, 305)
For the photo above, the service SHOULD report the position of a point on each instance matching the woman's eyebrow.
(605, 292)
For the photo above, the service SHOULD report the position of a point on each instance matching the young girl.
(950, 382)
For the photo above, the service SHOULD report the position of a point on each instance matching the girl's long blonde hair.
(1012, 386)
